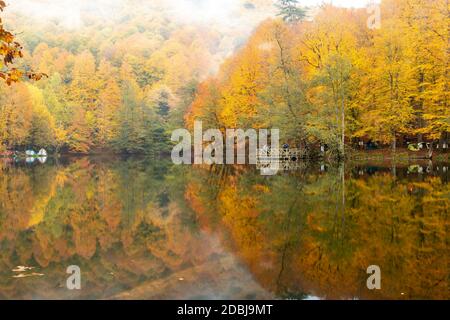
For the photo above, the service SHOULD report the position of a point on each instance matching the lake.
(140, 228)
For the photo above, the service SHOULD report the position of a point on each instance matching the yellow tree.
(428, 33)
(205, 106)
(42, 130)
(78, 133)
(16, 110)
(329, 52)
(243, 78)
(83, 92)
(108, 106)
(284, 102)
(387, 112)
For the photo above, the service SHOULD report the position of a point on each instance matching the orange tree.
(10, 50)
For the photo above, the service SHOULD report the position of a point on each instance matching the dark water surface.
(146, 229)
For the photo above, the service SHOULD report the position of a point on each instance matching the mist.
(225, 13)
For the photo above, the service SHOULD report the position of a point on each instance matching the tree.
(205, 106)
(56, 101)
(387, 84)
(83, 100)
(78, 133)
(106, 113)
(42, 130)
(163, 104)
(284, 97)
(329, 51)
(289, 11)
(10, 50)
(426, 28)
(132, 136)
(16, 111)
(330, 80)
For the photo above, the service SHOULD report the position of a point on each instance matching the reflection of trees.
(116, 220)
(127, 225)
(296, 237)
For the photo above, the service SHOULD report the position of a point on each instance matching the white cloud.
(225, 12)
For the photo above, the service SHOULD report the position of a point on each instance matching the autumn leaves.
(9, 51)
(333, 80)
(330, 80)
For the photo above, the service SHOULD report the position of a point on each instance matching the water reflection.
(144, 229)
(31, 160)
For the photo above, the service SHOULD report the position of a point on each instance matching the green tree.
(131, 137)
(289, 11)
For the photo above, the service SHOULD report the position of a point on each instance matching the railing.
(291, 155)
(283, 159)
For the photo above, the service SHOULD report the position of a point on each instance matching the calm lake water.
(146, 229)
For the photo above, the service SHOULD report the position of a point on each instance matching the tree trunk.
(343, 120)
(394, 144)
(343, 129)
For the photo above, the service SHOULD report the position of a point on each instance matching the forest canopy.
(120, 74)
(333, 80)
(121, 77)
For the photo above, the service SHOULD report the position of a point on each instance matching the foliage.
(332, 80)
(290, 11)
(10, 50)
(318, 233)
(122, 90)
(325, 80)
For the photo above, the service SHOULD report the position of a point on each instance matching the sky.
(340, 3)
(223, 10)
(219, 11)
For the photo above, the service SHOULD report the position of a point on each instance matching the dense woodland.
(322, 76)
(119, 81)
(333, 80)
(122, 78)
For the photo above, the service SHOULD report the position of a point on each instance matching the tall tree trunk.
(343, 129)
(343, 120)
(394, 144)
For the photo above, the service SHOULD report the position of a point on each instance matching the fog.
(226, 12)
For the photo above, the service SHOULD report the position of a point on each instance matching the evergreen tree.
(163, 104)
(290, 11)
(131, 136)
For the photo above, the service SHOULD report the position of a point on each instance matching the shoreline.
(351, 154)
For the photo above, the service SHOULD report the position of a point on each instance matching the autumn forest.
(326, 77)
(360, 88)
